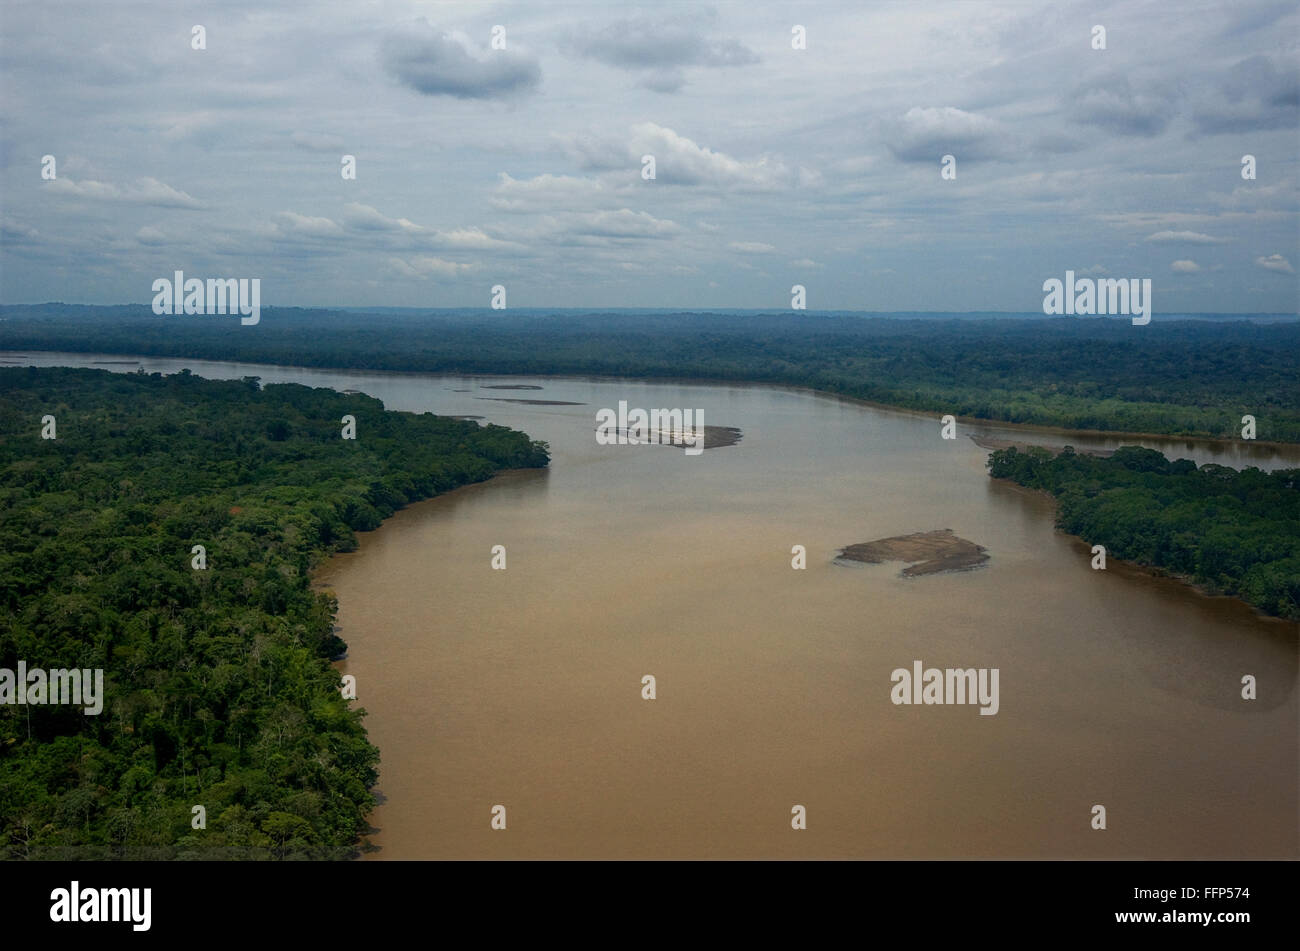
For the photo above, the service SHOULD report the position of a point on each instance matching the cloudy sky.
(774, 166)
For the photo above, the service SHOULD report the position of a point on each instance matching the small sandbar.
(509, 386)
(504, 399)
(928, 552)
(715, 437)
(990, 442)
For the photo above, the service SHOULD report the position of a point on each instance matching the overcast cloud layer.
(774, 166)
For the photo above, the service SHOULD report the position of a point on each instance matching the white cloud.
(145, 191)
(289, 222)
(425, 267)
(623, 223)
(366, 218)
(547, 193)
(469, 239)
(679, 160)
(434, 63)
(405, 233)
(927, 134)
(645, 43)
(1275, 262)
(1185, 267)
(1182, 237)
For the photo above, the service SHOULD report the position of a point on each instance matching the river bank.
(1261, 446)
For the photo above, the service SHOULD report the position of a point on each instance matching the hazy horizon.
(702, 311)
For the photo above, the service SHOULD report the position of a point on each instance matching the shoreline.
(321, 585)
(991, 444)
(1148, 571)
(715, 382)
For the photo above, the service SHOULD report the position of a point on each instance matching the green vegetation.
(1234, 532)
(218, 684)
(1177, 377)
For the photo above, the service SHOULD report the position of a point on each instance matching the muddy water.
(523, 687)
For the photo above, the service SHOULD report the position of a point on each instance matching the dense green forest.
(1177, 377)
(1236, 533)
(218, 683)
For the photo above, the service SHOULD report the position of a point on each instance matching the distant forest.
(217, 676)
(1233, 532)
(1172, 377)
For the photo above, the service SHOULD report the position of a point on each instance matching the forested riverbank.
(1173, 377)
(218, 687)
(1235, 533)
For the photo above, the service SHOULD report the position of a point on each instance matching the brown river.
(523, 687)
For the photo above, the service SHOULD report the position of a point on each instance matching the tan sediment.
(992, 442)
(502, 399)
(931, 552)
(715, 437)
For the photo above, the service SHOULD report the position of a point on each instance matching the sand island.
(929, 552)
(715, 437)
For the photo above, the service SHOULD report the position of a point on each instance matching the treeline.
(1175, 377)
(1236, 533)
(218, 686)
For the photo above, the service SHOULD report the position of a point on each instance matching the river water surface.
(523, 687)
